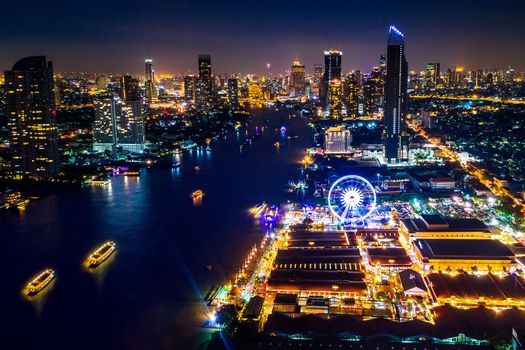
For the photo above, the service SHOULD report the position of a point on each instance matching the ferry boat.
(197, 193)
(101, 254)
(40, 282)
(130, 173)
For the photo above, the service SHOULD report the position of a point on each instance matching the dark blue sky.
(242, 36)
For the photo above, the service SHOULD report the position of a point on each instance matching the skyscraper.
(130, 89)
(382, 65)
(297, 79)
(30, 108)
(332, 74)
(205, 90)
(189, 90)
(118, 124)
(334, 99)
(233, 93)
(432, 75)
(351, 94)
(318, 75)
(151, 92)
(395, 96)
(373, 92)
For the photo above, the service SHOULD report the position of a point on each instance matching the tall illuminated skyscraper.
(334, 101)
(297, 79)
(130, 88)
(351, 94)
(205, 84)
(332, 73)
(395, 97)
(233, 93)
(382, 65)
(432, 75)
(318, 75)
(30, 108)
(373, 92)
(151, 92)
(189, 90)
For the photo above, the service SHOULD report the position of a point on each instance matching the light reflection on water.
(140, 296)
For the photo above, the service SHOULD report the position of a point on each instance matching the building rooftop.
(474, 287)
(483, 249)
(412, 282)
(436, 223)
(478, 323)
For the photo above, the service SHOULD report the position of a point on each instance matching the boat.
(197, 168)
(101, 254)
(130, 173)
(197, 193)
(40, 282)
(175, 165)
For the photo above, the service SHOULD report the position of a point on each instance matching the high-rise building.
(382, 65)
(337, 140)
(334, 99)
(31, 115)
(205, 83)
(395, 97)
(255, 91)
(130, 88)
(373, 92)
(332, 73)
(233, 93)
(297, 79)
(432, 75)
(150, 90)
(189, 90)
(318, 75)
(118, 124)
(351, 94)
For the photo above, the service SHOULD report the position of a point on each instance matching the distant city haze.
(243, 36)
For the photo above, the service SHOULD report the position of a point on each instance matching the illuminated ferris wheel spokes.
(351, 199)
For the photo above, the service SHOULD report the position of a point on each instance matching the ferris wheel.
(351, 199)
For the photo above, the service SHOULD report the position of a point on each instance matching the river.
(147, 295)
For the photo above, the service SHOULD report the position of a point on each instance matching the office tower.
(334, 99)
(395, 97)
(332, 74)
(204, 90)
(373, 92)
(118, 124)
(255, 92)
(130, 88)
(337, 140)
(189, 90)
(30, 108)
(150, 90)
(382, 65)
(451, 77)
(318, 75)
(351, 95)
(432, 75)
(297, 79)
(233, 93)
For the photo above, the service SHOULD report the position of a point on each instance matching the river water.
(148, 294)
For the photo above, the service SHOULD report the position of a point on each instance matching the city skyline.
(245, 39)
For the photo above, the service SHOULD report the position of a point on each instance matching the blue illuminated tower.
(395, 97)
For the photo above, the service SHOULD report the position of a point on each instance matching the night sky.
(242, 36)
